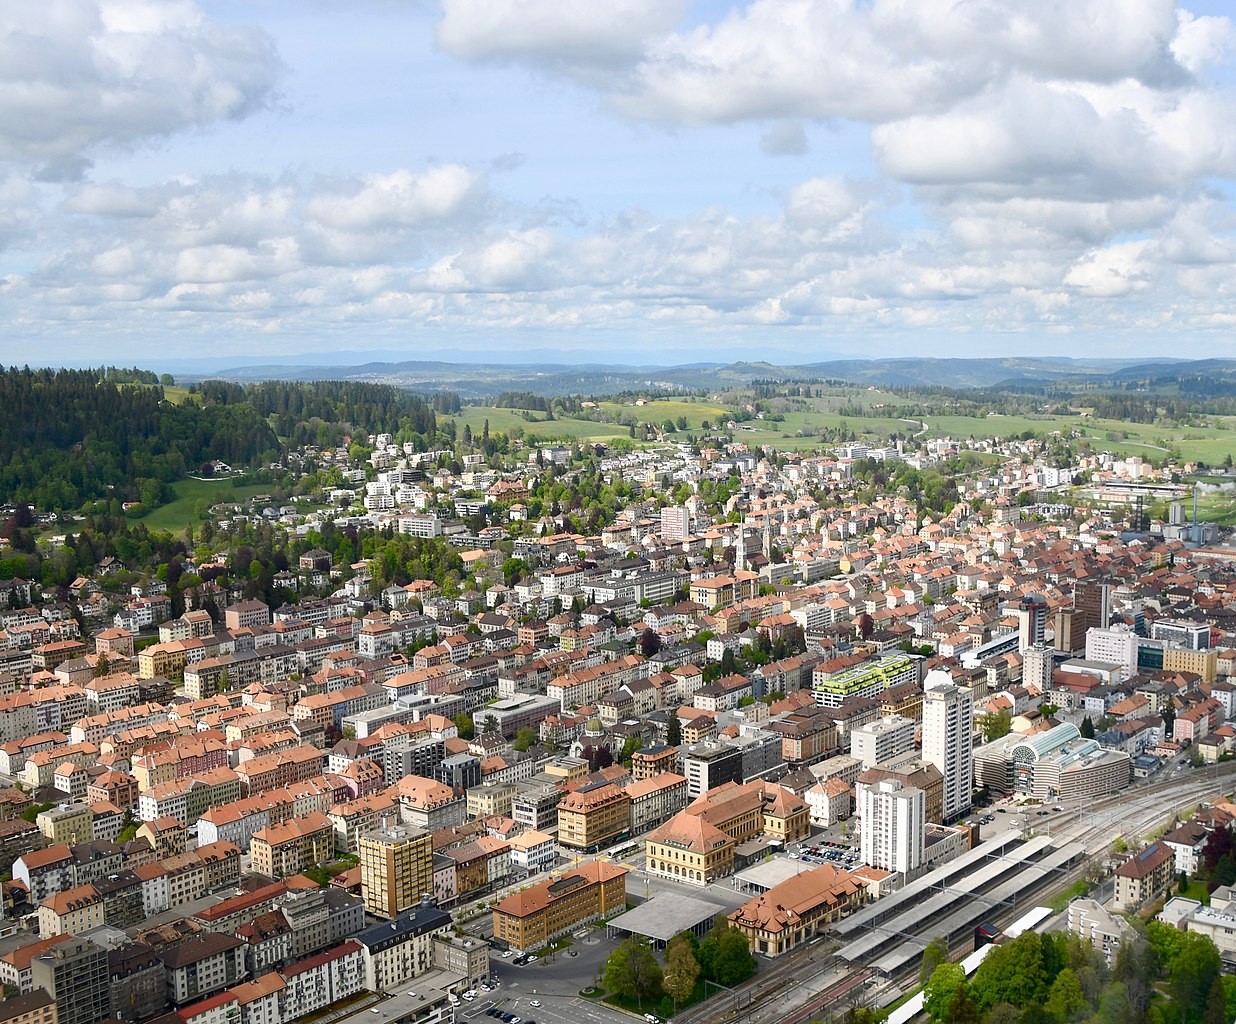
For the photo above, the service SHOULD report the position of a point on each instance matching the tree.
(1136, 968)
(682, 971)
(673, 732)
(732, 962)
(961, 1008)
(1087, 728)
(1216, 1000)
(491, 725)
(632, 744)
(938, 993)
(465, 725)
(1012, 973)
(1065, 999)
(1193, 973)
(1002, 1013)
(632, 971)
(525, 739)
(934, 955)
(996, 724)
(1169, 719)
(649, 642)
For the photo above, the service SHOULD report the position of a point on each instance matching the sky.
(614, 181)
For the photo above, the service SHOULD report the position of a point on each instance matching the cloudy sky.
(608, 180)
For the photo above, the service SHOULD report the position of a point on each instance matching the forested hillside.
(72, 436)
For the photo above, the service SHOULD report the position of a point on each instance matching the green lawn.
(1196, 890)
(178, 514)
(504, 420)
(1151, 440)
(662, 409)
(798, 430)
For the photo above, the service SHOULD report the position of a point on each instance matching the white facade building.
(948, 739)
(894, 826)
(882, 740)
(1117, 645)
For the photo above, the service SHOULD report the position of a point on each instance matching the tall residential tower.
(948, 739)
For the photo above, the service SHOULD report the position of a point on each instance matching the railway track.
(812, 971)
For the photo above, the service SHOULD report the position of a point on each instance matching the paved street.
(555, 983)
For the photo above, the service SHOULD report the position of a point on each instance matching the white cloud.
(76, 75)
(432, 247)
(1110, 272)
(579, 36)
(401, 199)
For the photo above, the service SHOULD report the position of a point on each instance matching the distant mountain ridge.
(478, 381)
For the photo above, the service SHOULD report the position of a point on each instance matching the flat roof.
(768, 873)
(667, 914)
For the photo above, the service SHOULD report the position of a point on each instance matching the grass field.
(503, 420)
(178, 514)
(1150, 440)
(662, 409)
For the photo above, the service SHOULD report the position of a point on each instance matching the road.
(555, 983)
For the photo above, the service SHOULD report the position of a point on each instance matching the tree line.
(72, 436)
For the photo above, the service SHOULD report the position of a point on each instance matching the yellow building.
(531, 918)
(68, 823)
(689, 849)
(294, 846)
(1202, 663)
(35, 1007)
(745, 811)
(71, 912)
(798, 909)
(489, 799)
(167, 660)
(396, 864)
(593, 816)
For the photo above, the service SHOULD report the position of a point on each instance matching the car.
(533, 958)
(513, 1019)
(1042, 814)
(507, 952)
(652, 1018)
(1058, 808)
(470, 994)
(535, 1002)
(491, 1012)
(999, 810)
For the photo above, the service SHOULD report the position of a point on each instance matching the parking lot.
(842, 855)
(554, 982)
